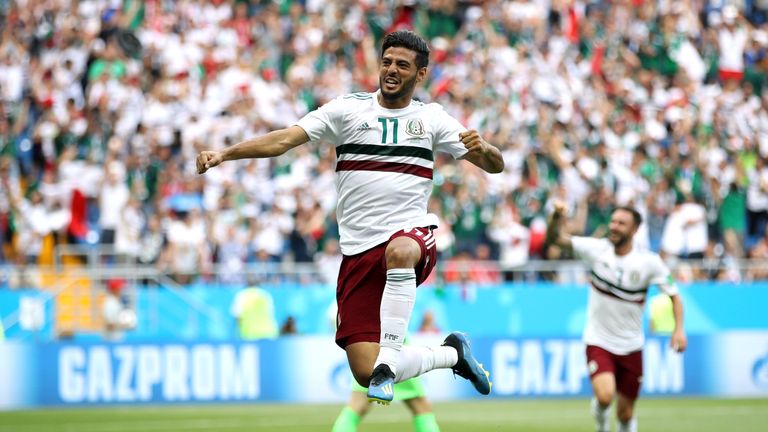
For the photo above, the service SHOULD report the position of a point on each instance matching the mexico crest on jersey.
(414, 127)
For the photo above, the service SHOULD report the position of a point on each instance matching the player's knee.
(361, 357)
(362, 375)
(624, 413)
(402, 254)
(604, 396)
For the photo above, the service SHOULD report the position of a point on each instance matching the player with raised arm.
(385, 143)
(620, 275)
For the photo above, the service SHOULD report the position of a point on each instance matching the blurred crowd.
(105, 103)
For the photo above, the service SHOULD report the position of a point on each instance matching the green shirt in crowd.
(733, 211)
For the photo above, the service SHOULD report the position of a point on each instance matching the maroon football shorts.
(627, 369)
(361, 285)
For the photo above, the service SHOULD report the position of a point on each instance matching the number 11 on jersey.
(383, 122)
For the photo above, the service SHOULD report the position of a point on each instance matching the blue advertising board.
(519, 309)
(733, 364)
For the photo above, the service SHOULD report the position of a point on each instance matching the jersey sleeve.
(587, 248)
(447, 130)
(662, 277)
(324, 123)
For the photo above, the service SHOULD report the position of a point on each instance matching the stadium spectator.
(465, 270)
(289, 327)
(128, 230)
(512, 237)
(328, 262)
(187, 250)
(152, 242)
(759, 251)
(232, 254)
(428, 324)
(113, 197)
(733, 220)
(117, 317)
(757, 199)
(592, 95)
(685, 230)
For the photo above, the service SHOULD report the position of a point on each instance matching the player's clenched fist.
(473, 141)
(560, 208)
(208, 159)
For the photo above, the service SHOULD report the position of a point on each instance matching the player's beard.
(406, 88)
(619, 239)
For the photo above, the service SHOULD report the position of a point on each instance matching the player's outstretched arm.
(678, 341)
(555, 234)
(481, 153)
(272, 144)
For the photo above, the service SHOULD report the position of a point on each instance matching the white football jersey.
(619, 288)
(385, 159)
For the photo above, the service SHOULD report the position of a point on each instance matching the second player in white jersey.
(385, 159)
(619, 287)
(620, 276)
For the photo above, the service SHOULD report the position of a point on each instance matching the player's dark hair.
(409, 40)
(636, 216)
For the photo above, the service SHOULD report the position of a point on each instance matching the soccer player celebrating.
(384, 145)
(620, 275)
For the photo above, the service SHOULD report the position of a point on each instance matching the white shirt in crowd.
(685, 231)
(757, 192)
(514, 243)
(732, 44)
(114, 197)
(187, 238)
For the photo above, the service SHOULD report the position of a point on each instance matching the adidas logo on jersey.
(363, 127)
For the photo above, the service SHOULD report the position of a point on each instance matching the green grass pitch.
(662, 415)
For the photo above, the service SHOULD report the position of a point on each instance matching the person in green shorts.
(411, 392)
(662, 316)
